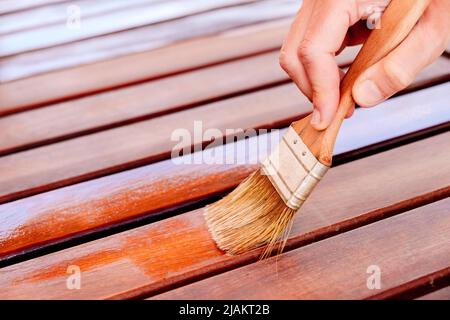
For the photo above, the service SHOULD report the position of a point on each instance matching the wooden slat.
(57, 13)
(404, 248)
(154, 257)
(134, 68)
(148, 141)
(442, 294)
(145, 38)
(145, 100)
(132, 17)
(9, 6)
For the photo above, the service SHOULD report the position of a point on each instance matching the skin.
(323, 28)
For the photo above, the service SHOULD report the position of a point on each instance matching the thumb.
(400, 67)
(381, 81)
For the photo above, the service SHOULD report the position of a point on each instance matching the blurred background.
(38, 36)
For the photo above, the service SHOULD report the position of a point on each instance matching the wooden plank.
(442, 294)
(169, 184)
(10, 6)
(148, 141)
(158, 256)
(132, 17)
(147, 100)
(145, 38)
(400, 247)
(57, 13)
(16, 96)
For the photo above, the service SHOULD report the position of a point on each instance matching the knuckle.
(285, 61)
(305, 51)
(397, 77)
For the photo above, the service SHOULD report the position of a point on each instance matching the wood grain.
(146, 100)
(336, 268)
(155, 257)
(146, 38)
(129, 146)
(128, 18)
(136, 68)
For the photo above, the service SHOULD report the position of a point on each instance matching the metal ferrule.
(293, 170)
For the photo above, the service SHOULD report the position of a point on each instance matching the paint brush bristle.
(251, 216)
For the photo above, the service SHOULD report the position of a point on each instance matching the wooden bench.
(87, 183)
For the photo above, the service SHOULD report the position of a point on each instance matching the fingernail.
(315, 119)
(369, 93)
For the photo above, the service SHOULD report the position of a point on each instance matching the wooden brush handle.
(396, 23)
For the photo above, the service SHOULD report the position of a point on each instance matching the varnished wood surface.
(399, 246)
(116, 198)
(156, 256)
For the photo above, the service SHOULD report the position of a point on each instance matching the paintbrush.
(261, 209)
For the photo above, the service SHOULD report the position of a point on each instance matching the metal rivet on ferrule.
(293, 170)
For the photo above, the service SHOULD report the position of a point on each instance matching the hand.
(323, 28)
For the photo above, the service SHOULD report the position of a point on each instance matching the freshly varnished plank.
(156, 256)
(134, 68)
(130, 17)
(145, 100)
(148, 141)
(146, 38)
(402, 248)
